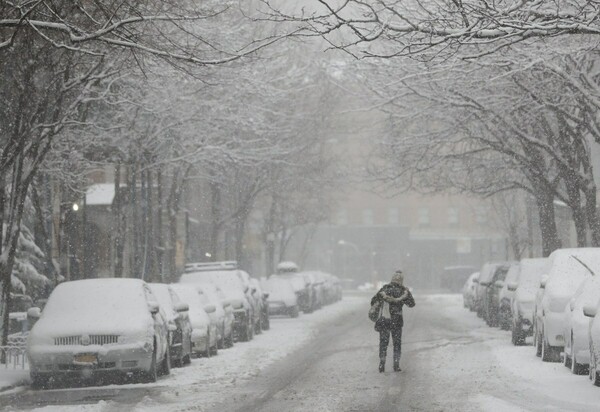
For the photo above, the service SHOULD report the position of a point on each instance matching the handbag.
(375, 311)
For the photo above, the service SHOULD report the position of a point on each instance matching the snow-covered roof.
(100, 194)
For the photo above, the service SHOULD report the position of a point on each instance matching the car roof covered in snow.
(569, 267)
(92, 305)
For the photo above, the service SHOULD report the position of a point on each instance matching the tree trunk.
(592, 214)
(550, 239)
(160, 244)
(577, 212)
(215, 215)
(120, 224)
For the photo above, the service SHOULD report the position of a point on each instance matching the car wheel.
(549, 353)
(151, 375)
(38, 381)
(536, 341)
(165, 366)
(594, 377)
(208, 350)
(576, 368)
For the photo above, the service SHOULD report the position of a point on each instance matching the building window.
(342, 217)
(423, 216)
(368, 217)
(393, 216)
(480, 215)
(453, 216)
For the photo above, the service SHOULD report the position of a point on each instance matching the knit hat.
(398, 278)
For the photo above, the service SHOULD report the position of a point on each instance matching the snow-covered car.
(486, 275)
(592, 312)
(178, 321)
(282, 297)
(469, 291)
(236, 293)
(204, 328)
(261, 296)
(506, 295)
(568, 268)
(223, 312)
(254, 298)
(577, 333)
(523, 301)
(290, 271)
(98, 327)
(491, 292)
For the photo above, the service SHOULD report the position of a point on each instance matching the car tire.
(536, 341)
(39, 382)
(593, 371)
(165, 365)
(229, 340)
(151, 375)
(576, 368)
(208, 350)
(549, 353)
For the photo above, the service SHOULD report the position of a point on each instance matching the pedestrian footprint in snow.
(386, 312)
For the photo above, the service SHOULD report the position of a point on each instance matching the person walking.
(390, 299)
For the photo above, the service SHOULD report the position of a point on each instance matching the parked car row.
(556, 300)
(126, 328)
(292, 291)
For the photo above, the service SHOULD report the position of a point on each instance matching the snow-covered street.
(327, 361)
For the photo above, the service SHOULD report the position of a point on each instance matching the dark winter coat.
(395, 291)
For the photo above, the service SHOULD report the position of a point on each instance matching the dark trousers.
(384, 341)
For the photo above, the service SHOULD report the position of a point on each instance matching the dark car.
(491, 297)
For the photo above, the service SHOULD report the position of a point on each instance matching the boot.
(397, 366)
(382, 366)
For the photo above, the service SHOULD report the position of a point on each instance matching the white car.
(568, 268)
(236, 293)
(577, 333)
(282, 298)
(96, 327)
(224, 313)
(469, 291)
(523, 300)
(486, 275)
(204, 329)
(178, 321)
(506, 296)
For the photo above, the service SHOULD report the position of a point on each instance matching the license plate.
(86, 358)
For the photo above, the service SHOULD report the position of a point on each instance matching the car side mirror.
(512, 286)
(34, 313)
(153, 307)
(210, 308)
(589, 311)
(181, 307)
(499, 284)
